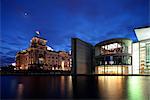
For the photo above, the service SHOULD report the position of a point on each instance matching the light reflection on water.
(112, 86)
(102, 87)
(20, 90)
(137, 89)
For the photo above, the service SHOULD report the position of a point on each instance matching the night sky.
(59, 20)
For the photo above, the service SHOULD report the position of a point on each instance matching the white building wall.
(135, 58)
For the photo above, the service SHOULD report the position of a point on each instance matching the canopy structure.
(142, 33)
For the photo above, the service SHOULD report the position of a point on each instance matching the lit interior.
(113, 69)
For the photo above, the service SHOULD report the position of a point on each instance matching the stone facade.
(38, 56)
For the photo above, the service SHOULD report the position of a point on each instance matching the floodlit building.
(22, 60)
(108, 57)
(113, 56)
(141, 51)
(40, 56)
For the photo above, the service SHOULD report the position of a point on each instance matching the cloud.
(6, 60)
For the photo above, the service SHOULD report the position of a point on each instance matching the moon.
(25, 14)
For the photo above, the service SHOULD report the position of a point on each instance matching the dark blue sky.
(59, 20)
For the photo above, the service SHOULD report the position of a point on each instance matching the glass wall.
(115, 48)
(114, 60)
(114, 69)
(148, 55)
(145, 56)
(141, 57)
(113, 57)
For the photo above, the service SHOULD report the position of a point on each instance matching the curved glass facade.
(113, 57)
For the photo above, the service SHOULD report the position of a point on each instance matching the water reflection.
(85, 87)
(137, 89)
(20, 91)
(62, 85)
(69, 85)
(111, 87)
(102, 87)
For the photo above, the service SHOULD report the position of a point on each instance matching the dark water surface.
(93, 87)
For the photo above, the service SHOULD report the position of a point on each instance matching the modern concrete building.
(108, 57)
(40, 56)
(114, 56)
(82, 57)
(141, 51)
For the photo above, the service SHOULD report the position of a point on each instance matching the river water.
(80, 87)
